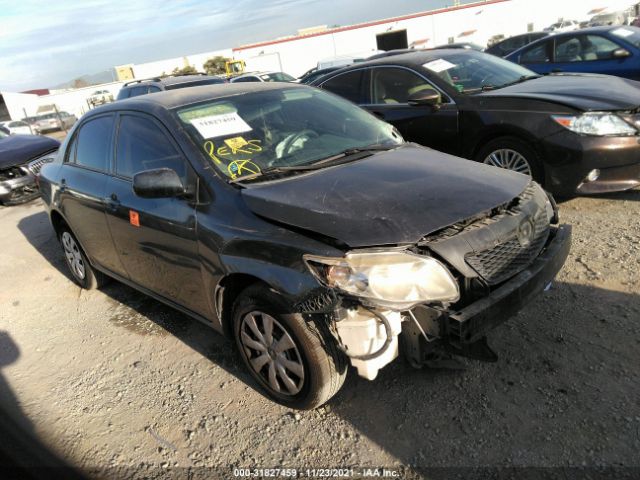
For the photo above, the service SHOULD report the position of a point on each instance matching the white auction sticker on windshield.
(623, 32)
(220, 125)
(439, 65)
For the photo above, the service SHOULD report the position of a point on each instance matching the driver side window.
(396, 85)
(537, 54)
(142, 145)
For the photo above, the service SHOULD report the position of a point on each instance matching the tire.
(513, 149)
(309, 357)
(81, 270)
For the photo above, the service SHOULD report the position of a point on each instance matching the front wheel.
(295, 360)
(513, 154)
(81, 270)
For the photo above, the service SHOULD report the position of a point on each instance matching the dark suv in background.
(135, 88)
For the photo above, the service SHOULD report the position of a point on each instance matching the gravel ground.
(122, 386)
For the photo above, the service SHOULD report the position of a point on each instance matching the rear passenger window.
(347, 85)
(94, 143)
(136, 91)
(537, 54)
(142, 145)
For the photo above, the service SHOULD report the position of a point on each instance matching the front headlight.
(597, 124)
(397, 280)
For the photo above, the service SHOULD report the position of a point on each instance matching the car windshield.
(276, 77)
(628, 34)
(247, 134)
(471, 71)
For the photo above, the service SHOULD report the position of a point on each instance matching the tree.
(188, 70)
(215, 65)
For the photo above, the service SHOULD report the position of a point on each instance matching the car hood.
(393, 197)
(19, 149)
(580, 91)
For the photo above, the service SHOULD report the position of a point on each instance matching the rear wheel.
(513, 154)
(81, 271)
(295, 361)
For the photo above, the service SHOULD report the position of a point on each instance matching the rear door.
(155, 238)
(83, 181)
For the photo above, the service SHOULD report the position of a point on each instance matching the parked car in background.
(17, 127)
(100, 97)
(606, 50)
(263, 77)
(608, 19)
(55, 121)
(563, 26)
(314, 74)
(511, 44)
(136, 88)
(461, 45)
(301, 226)
(573, 134)
(21, 157)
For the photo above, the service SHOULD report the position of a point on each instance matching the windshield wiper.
(486, 88)
(345, 156)
(522, 79)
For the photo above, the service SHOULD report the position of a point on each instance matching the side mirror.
(621, 53)
(158, 183)
(425, 97)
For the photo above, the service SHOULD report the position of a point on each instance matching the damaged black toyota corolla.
(301, 226)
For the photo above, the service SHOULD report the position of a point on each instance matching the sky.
(45, 43)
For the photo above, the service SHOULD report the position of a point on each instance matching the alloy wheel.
(74, 257)
(272, 353)
(510, 160)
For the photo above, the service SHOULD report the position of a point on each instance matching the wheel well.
(57, 221)
(229, 288)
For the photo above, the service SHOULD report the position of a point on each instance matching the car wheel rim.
(74, 257)
(272, 354)
(510, 160)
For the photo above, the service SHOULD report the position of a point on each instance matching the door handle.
(556, 70)
(63, 185)
(112, 202)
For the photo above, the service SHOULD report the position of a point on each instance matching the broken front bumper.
(10, 186)
(471, 323)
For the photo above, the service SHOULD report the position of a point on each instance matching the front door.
(154, 237)
(435, 127)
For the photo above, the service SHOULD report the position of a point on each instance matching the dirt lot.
(116, 382)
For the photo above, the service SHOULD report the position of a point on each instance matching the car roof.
(413, 59)
(170, 99)
(169, 80)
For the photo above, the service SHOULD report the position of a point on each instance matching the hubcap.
(510, 160)
(73, 255)
(272, 353)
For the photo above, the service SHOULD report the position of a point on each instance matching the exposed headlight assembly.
(596, 124)
(397, 280)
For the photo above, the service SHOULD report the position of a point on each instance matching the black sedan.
(302, 226)
(575, 134)
(21, 157)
